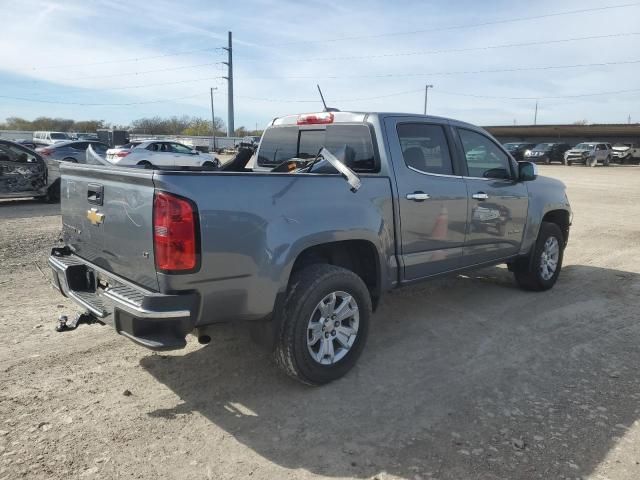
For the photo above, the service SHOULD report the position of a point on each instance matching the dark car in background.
(547, 153)
(27, 143)
(518, 149)
(73, 152)
(23, 173)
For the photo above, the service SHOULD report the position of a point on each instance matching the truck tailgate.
(107, 216)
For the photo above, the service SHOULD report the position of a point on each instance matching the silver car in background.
(589, 153)
(161, 153)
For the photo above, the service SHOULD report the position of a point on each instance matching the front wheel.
(541, 269)
(324, 324)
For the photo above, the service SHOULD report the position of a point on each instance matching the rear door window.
(283, 143)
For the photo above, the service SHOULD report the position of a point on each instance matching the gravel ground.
(465, 377)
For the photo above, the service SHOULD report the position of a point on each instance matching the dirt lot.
(466, 377)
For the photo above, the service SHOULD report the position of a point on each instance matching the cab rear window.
(283, 143)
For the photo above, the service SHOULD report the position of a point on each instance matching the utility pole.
(229, 77)
(535, 115)
(213, 119)
(426, 96)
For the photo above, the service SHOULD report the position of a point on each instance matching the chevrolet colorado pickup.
(335, 209)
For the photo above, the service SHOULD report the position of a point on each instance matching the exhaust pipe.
(204, 339)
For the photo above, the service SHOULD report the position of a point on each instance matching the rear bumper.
(154, 320)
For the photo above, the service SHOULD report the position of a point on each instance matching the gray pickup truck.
(333, 210)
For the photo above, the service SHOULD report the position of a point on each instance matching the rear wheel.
(209, 165)
(324, 324)
(541, 269)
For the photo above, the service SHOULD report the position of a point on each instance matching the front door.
(21, 172)
(498, 203)
(432, 197)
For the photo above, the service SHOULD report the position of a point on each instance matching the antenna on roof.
(326, 109)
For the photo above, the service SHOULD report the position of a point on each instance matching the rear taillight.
(123, 153)
(174, 233)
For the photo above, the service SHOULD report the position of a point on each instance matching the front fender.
(545, 195)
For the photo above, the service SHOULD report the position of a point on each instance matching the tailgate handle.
(94, 193)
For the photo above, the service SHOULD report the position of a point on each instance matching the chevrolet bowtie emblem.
(94, 216)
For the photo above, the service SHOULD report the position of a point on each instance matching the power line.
(162, 100)
(123, 74)
(445, 92)
(145, 85)
(457, 27)
(459, 72)
(344, 100)
(125, 60)
(457, 50)
(540, 97)
(276, 100)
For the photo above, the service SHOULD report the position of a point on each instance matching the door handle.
(480, 196)
(95, 193)
(418, 196)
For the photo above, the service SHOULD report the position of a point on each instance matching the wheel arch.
(358, 255)
(560, 217)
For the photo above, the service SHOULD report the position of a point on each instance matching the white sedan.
(160, 153)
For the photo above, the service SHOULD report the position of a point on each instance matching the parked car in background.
(160, 153)
(518, 149)
(49, 138)
(121, 151)
(625, 152)
(23, 173)
(72, 152)
(547, 153)
(589, 154)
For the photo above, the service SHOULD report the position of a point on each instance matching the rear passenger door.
(498, 202)
(432, 196)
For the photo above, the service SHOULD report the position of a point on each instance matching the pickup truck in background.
(338, 209)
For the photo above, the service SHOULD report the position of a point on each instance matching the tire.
(145, 164)
(529, 271)
(308, 289)
(70, 160)
(568, 163)
(547, 161)
(607, 161)
(209, 166)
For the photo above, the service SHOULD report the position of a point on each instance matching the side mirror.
(527, 171)
(195, 152)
